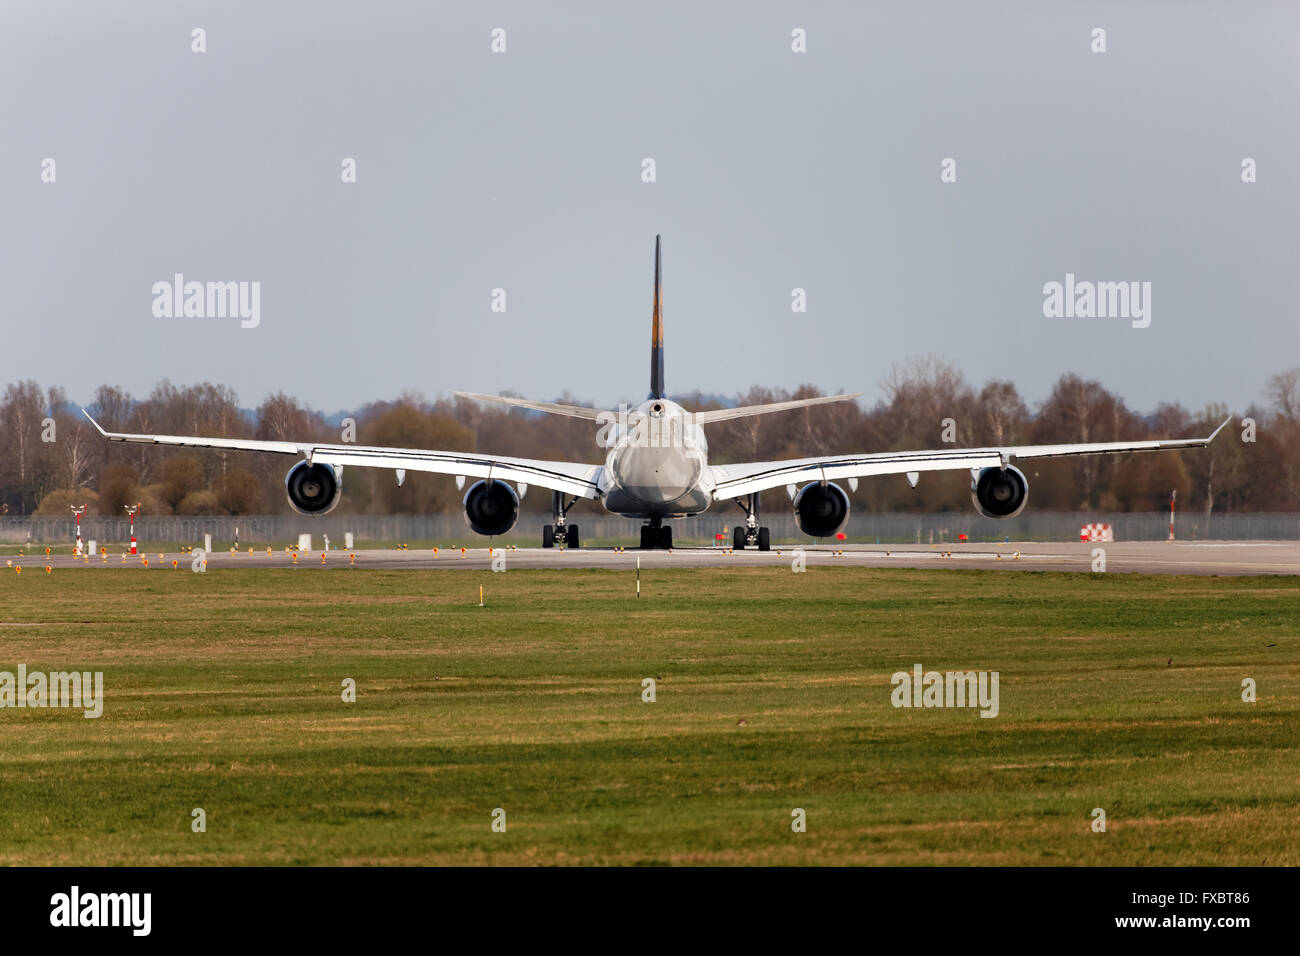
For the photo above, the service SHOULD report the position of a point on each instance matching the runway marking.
(1233, 544)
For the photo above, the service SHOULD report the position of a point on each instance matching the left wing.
(573, 478)
(732, 481)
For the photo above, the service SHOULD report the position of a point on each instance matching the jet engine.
(491, 508)
(313, 489)
(999, 492)
(821, 510)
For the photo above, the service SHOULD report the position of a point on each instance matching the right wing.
(572, 478)
(732, 481)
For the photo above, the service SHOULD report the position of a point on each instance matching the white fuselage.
(657, 465)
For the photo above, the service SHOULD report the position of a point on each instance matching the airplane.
(656, 467)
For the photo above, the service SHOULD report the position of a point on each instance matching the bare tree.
(1005, 415)
(21, 416)
(113, 407)
(1283, 390)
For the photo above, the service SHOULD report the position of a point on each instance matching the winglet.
(1217, 430)
(95, 423)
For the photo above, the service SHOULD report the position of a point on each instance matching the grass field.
(223, 691)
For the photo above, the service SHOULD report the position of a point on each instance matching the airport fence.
(884, 528)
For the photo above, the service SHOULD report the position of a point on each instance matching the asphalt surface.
(1143, 557)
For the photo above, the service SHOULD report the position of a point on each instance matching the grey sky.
(775, 170)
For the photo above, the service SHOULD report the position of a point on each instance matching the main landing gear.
(750, 534)
(559, 530)
(656, 534)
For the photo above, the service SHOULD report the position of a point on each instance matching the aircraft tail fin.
(657, 334)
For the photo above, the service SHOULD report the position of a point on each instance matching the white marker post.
(638, 575)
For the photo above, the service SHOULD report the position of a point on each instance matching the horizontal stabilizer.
(553, 408)
(744, 411)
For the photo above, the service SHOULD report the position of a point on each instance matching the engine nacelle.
(491, 508)
(821, 510)
(313, 489)
(999, 492)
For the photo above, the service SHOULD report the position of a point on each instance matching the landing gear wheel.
(571, 536)
(647, 538)
(548, 536)
(764, 540)
(738, 539)
(666, 538)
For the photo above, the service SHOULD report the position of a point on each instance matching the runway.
(1139, 557)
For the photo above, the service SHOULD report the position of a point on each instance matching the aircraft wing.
(732, 481)
(573, 478)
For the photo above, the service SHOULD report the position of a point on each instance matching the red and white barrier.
(80, 547)
(1096, 532)
(131, 511)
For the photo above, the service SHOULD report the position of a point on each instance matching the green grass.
(223, 692)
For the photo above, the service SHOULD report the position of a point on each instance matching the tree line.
(54, 458)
